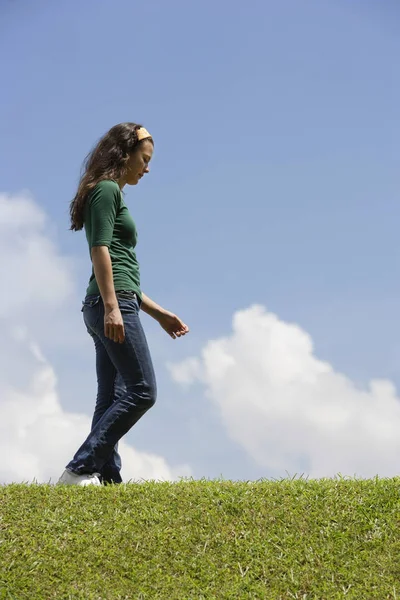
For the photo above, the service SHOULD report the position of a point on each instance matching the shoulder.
(106, 190)
(108, 184)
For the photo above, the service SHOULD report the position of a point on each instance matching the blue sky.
(274, 179)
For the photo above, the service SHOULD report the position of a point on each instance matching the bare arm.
(172, 324)
(113, 323)
(151, 308)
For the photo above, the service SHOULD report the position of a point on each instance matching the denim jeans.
(126, 387)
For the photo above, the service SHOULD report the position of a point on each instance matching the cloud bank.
(291, 411)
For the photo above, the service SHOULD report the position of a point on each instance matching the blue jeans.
(126, 387)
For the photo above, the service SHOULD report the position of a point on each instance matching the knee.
(145, 396)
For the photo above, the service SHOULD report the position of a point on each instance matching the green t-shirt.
(107, 222)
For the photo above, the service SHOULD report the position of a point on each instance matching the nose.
(147, 170)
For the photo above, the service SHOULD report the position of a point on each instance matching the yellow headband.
(142, 134)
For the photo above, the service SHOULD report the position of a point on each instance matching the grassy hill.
(200, 540)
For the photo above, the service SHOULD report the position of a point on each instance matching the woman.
(125, 375)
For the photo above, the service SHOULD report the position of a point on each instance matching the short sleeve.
(103, 205)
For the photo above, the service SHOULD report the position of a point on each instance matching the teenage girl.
(125, 375)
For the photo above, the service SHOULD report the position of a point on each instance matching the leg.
(133, 362)
(110, 387)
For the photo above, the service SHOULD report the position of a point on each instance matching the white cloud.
(33, 272)
(187, 371)
(37, 436)
(288, 409)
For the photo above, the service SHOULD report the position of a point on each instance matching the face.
(138, 164)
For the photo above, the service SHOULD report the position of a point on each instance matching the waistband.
(120, 294)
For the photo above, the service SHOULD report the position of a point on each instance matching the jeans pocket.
(90, 301)
(91, 310)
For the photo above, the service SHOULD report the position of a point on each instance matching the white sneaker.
(69, 478)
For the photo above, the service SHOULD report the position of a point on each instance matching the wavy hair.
(107, 160)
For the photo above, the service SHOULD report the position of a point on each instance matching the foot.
(69, 478)
(112, 482)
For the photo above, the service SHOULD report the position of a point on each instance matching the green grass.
(295, 538)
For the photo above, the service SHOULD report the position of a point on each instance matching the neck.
(121, 182)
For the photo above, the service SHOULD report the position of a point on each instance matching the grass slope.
(302, 539)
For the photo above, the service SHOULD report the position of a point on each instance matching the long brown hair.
(107, 160)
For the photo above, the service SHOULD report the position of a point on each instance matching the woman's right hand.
(102, 265)
(114, 325)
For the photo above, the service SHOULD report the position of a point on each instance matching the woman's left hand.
(172, 324)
